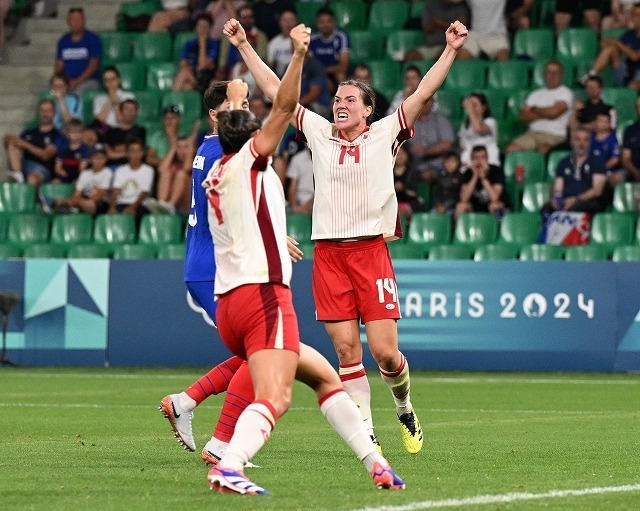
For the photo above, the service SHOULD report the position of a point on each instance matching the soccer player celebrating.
(355, 209)
(257, 322)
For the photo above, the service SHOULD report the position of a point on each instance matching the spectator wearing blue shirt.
(79, 54)
(631, 147)
(331, 47)
(68, 104)
(314, 89)
(604, 145)
(72, 155)
(199, 58)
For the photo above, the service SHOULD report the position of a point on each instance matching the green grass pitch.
(92, 439)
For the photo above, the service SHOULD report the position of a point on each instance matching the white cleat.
(179, 419)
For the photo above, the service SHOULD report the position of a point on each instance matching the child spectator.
(404, 181)
(68, 104)
(132, 183)
(116, 138)
(72, 154)
(604, 145)
(447, 189)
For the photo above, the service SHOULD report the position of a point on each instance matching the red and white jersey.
(247, 221)
(354, 190)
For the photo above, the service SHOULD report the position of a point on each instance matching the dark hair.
(75, 9)
(215, 95)
(325, 10)
(59, 76)
(479, 148)
(74, 123)
(134, 141)
(597, 79)
(235, 128)
(366, 93)
(483, 101)
(412, 68)
(203, 15)
(130, 100)
(452, 154)
(113, 69)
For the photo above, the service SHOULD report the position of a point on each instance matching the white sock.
(399, 384)
(252, 431)
(216, 446)
(342, 413)
(355, 382)
(187, 403)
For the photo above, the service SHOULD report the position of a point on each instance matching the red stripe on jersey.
(300, 117)
(214, 200)
(271, 308)
(402, 118)
(266, 231)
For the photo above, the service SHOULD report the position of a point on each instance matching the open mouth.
(342, 115)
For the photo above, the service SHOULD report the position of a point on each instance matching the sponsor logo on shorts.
(390, 306)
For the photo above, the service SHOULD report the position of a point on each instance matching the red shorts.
(354, 280)
(258, 317)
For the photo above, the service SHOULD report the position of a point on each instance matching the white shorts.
(489, 44)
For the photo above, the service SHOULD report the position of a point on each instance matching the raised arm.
(431, 82)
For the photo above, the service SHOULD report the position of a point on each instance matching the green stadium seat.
(542, 252)
(132, 75)
(497, 100)
(299, 227)
(535, 195)
(537, 77)
(4, 226)
(89, 251)
(496, 252)
(28, 228)
(45, 251)
(399, 250)
(586, 253)
(532, 161)
(350, 14)
(626, 253)
(520, 228)
(57, 190)
(449, 104)
(17, 198)
(87, 105)
(475, 229)
(429, 229)
(307, 250)
(178, 43)
(401, 41)
(623, 100)
(611, 229)
(508, 75)
(508, 129)
(553, 158)
(148, 105)
(366, 45)
(515, 100)
(626, 197)
(385, 74)
(416, 10)
(189, 102)
(535, 43)
(388, 15)
(152, 46)
(134, 251)
(71, 229)
(160, 75)
(466, 75)
(424, 191)
(8, 251)
(450, 252)
(116, 47)
(172, 251)
(613, 33)
(577, 45)
(161, 229)
(306, 12)
(134, 9)
(422, 65)
(112, 230)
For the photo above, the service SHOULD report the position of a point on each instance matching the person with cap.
(160, 141)
(92, 187)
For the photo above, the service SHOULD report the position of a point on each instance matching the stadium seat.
(161, 229)
(366, 45)
(57, 190)
(385, 74)
(611, 229)
(299, 227)
(388, 15)
(429, 229)
(116, 47)
(586, 253)
(542, 13)
(160, 75)
(87, 105)
(399, 250)
(89, 251)
(178, 43)
(535, 195)
(306, 12)
(307, 250)
(541, 252)
(534, 43)
(622, 99)
(497, 100)
(135, 9)
(8, 251)
(568, 75)
(626, 197)
(4, 226)
(577, 45)
(520, 228)
(45, 251)
(132, 75)
(449, 104)
(508, 129)
(152, 46)
(515, 100)
(532, 161)
(148, 105)
(496, 252)
(508, 75)
(401, 41)
(112, 230)
(475, 229)
(626, 253)
(450, 252)
(17, 198)
(189, 102)
(134, 251)
(172, 251)
(466, 75)
(350, 14)
(28, 228)
(71, 229)
(553, 158)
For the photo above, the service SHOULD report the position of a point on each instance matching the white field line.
(505, 498)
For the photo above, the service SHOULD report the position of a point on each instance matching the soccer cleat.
(212, 459)
(233, 481)
(376, 444)
(385, 478)
(411, 432)
(179, 419)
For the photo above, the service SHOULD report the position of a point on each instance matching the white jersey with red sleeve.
(247, 221)
(354, 190)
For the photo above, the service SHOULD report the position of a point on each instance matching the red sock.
(215, 381)
(239, 395)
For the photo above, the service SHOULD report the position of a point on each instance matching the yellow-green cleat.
(411, 432)
(376, 444)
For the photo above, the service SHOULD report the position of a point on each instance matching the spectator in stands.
(222, 11)
(229, 54)
(106, 107)
(623, 55)
(584, 112)
(547, 112)
(437, 15)
(268, 13)
(174, 178)
(173, 11)
(488, 33)
(199, 58)
(160, 141)
(447, 189)
(517, 13)
(362, 72)
(580, 179)
(566, 8)
(116, 139)
(314, 89)
(300, 190)
(631, 148)
(604, 145)
(72, 154)
(331, 47)
(5, 5)
(433, 138)
(411, 80)
(279, 49)
(92, 187)
(482, 186)
(405, 180)
(32, 154)
(68, 104)
(132, 182)
(480, 128)
(79, 54)
(620, 16)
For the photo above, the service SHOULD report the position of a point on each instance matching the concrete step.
(37, 55)
(17, 101)
(16, 116)
(55, 26)
(25, 80)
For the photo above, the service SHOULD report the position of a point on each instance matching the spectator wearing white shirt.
(300, 191)
(480, 128)
(488, 33)
(132, 183)
(106, 106)
(279, 49)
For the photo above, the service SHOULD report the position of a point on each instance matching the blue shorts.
(30, 166)
(202, 293)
